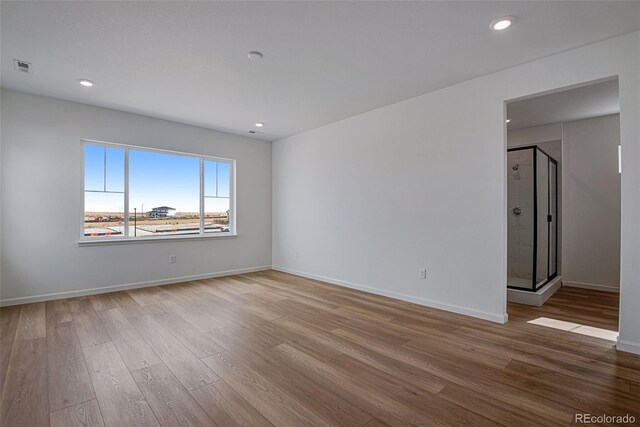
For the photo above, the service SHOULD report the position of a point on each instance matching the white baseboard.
(594, 286)
(114, 288)
(628, 346)
(417, 300)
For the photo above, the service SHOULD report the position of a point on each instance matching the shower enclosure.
(532, 200)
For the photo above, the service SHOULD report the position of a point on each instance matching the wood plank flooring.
(270, 348)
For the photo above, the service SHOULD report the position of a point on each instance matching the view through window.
(131, 192)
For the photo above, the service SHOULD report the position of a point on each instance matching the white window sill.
(129, 240)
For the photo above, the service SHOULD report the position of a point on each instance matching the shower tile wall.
(520, 228)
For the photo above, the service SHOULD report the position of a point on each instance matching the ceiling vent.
(23, 66)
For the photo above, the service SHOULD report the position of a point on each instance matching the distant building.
(162, 212)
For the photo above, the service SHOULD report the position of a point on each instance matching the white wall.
(534, 135)
(591, 202)
(41, 208)
(369, 200)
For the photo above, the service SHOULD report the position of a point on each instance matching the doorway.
(563, 206)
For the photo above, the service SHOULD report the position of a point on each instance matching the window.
(136, 193)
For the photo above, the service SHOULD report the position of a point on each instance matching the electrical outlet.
(422, 273)
(172, 259)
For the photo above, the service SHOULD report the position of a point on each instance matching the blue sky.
(155, 179)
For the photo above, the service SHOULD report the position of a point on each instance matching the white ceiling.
(323, 61)
(574, 104)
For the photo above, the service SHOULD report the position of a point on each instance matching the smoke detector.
(23, 66)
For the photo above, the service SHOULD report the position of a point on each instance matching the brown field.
(182, 218)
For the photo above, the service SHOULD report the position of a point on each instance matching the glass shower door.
(553, 211)
(542, 218)
(520, 222)
(532, 203)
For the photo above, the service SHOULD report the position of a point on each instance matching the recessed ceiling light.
(259, 124)
(86, 83)
(254, 55)
(508, 120)
(502, 23)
